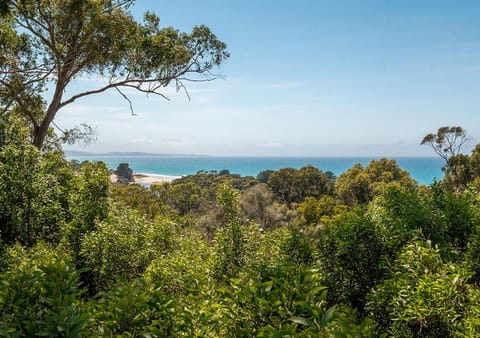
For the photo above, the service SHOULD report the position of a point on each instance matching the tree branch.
(128, 100)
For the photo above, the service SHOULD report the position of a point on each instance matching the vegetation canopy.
(368, 254)
(293, 253)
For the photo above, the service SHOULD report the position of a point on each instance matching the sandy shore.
(148, 179)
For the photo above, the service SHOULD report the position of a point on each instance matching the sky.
(305, 78)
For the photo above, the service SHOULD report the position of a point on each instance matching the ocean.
(423, 169)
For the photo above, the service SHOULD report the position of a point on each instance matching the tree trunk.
(41, 132)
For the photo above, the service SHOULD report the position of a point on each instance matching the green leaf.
(300, 320)
(328, 315)
(268, 286)
(316, 290)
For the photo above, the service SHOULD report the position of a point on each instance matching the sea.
(425, 170)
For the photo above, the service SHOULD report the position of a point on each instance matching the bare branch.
(125, 83)
(56, 126)
(129, 101)
(148, 91)
(179, 84)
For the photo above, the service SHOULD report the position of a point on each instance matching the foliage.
(232, 250)
(255, 201)
(460, 211)
(40, 295)
(297, 249)
(225, 210)
(123, 245)
(425, 297)
(124, 173)
(358, 186)
(264, 176)
(186, 197)
(211, 181)
(314, 211)
(258, 206)
(352, 258)
(472, 258)
(458, 171)
(447, 143)
(292, 186)
(185, 270)
(134, 310)
(33, 196)
(353, 187)
(194, 198)
(218, 255)
(88, 202)
(300, 305)
(401, 214)
(144, 200)
(474, 162)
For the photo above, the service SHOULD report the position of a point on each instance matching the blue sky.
(307, 78)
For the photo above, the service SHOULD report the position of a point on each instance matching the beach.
(147, 179)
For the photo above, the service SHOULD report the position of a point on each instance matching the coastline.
(423, 169)
(147, 179)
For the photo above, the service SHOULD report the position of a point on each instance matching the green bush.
(88, 203)
(135, 310)
(426, 297)
(234, 247)
(40, 295)
(286, 301)
(185, 271)
(352, 258)
(401, 214)
(32, 194)
(123, 245)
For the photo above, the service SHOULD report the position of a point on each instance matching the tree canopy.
(447, 142)
(47, 44)
(224, 256)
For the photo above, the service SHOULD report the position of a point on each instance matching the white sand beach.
(148, 179)
(142, 178)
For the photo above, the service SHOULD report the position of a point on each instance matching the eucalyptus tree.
(46, 45)
(447, 141)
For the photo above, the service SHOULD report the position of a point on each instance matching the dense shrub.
(426, 297)
(123, 245)
(352, 258)
(135, 310)
(185, 270)
(40, 294)
(32, 190)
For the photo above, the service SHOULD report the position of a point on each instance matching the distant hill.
(74, 153)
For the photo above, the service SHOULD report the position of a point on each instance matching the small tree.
(124, 172)
(447, 142)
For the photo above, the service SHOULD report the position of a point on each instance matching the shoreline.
(147, 178)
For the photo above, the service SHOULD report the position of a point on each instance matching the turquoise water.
(423, 169)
